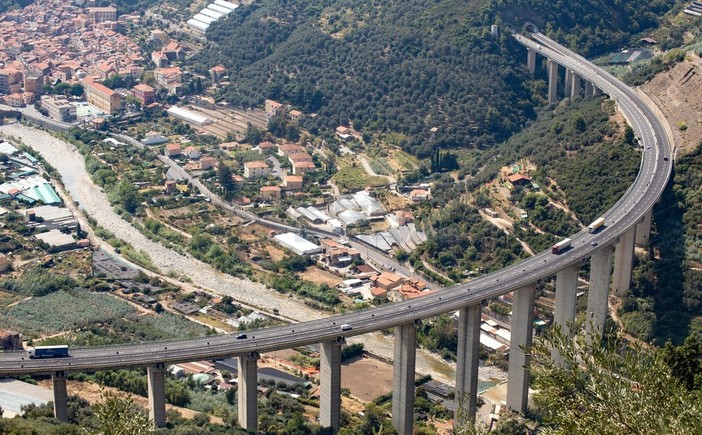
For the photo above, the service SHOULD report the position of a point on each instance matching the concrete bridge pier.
(403, 378)
(575, 86)
(248, 392)
(531, 60)
(623, 262)
(566, 294)
(330, 384)
(589, 89)
(58, 381)
(600, 272)
(519, 348)
(643, 229)
(467, 365)
(568, 81)
(156, 377)
(552, 81)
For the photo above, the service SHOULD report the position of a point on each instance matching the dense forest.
(666, 295)
(590, 27)
(606, 165)
(405, 66)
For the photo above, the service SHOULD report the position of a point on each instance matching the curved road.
(638, 200)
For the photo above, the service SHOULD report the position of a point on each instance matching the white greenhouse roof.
(219, 8)
(352, 217)
(187, 115)
(7, 148)
(211, 13)
(297, 244)
(199, 25)
(370, 206)
(204, 18)
(226, 4)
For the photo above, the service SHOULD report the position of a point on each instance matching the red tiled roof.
(518, 177)
(256, 164)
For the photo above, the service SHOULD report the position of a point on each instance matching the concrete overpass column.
(248, 393)
(330, 384)
(643, 229)
(403, 378)
(531, 60)
(157, 394)
(589, 90)
(623, 262)
(467, 365)
(58, 381)
(519, 348)
(568, 81)
(566, 293)
(597, 91)
(600, 271)
(552, 81)
(575, 86)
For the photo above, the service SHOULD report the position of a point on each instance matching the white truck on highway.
(561, 246)
(596, 225)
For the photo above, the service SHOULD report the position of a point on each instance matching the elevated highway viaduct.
(627, 221)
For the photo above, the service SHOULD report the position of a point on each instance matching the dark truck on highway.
(58, 351)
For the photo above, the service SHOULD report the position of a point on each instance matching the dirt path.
(15, 303)
(369, 170)
(151, 214)
(500, 223)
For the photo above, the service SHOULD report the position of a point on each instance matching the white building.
(297, 244)
(218, 8)
(226, 4)
(197, 25)
(188, 116)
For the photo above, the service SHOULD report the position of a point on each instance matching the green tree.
(116, 415)
(579, 122)
(253, 135)
(610, 389)
(224, 176)
(128, 196)
(62, 88)
(198, 86)
(77, 90)
(685, 362)
(629, 135)
(177, 393)
(375, 421)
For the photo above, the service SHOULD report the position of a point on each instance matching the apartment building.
(102, 97)
(10, 80)
(33, 84)
(144, 93)
(255, 169)
(100, 14)
(59, 109)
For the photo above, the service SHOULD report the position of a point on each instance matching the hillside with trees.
(405, 66)
(666, 294)
(589, 27)
(600, 389)
(583, 159)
